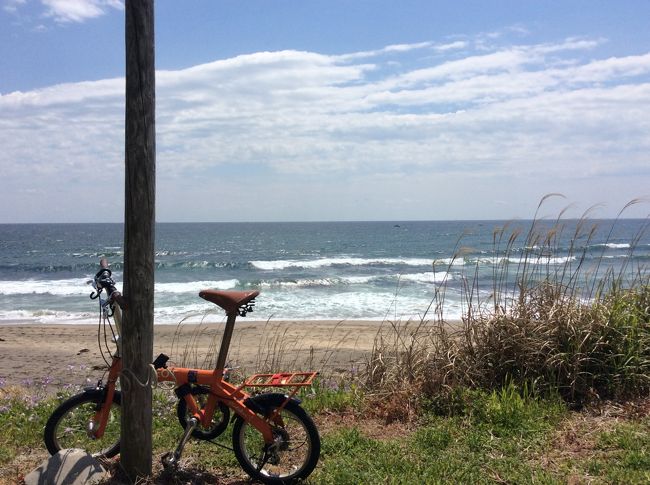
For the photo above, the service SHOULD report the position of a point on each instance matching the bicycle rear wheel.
(68, 426)
(294, 452)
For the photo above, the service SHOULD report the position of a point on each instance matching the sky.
(307, 110)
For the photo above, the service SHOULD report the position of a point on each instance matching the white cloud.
(79, 10)
(459, 44)
(12, 6)
(404, 48)
(391, 48)
(543, 113)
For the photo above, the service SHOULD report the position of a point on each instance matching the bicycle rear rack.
(283, 379)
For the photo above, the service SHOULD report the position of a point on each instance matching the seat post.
(225, 341)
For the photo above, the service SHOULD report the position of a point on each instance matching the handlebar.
(103, 280)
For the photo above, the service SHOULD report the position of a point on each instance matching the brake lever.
(109, 310)
(95, 294)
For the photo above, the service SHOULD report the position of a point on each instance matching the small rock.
(83, 351)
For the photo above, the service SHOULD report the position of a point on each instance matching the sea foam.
(275, 265)
(195, 286)
(69, 287)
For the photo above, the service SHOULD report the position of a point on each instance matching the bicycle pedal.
(169, 460)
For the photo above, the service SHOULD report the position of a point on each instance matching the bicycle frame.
(220, 390)
(233, 396)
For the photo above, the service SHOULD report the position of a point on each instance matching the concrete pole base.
(68, 467)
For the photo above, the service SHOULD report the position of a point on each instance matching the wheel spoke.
(292, 454)
(68, 426)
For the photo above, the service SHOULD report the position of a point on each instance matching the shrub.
(577, 331)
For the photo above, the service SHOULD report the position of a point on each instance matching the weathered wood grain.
(139, 235)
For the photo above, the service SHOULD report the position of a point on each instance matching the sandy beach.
(52, 356)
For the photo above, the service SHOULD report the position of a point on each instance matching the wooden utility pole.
(139, 231)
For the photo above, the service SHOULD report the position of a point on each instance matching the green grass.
(23, 414)
(627, 452)
(331, 396)
(500, 438)
(489, 443)
(493, 437)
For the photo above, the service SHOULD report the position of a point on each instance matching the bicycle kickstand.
(171, 459)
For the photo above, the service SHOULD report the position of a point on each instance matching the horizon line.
(328, 221)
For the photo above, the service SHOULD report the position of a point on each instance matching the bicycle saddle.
(231, 301)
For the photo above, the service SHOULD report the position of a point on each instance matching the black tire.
(219, 420)
(296, 450)
(68, 424)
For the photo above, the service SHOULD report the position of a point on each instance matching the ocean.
(304, 270)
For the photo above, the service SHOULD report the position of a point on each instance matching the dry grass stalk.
(548, 327)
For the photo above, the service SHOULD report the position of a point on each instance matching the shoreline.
(33, 322)
(52, 356)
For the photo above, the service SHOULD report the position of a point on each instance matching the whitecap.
(428, 277)
(276, 265)
(195, 286)
(69, 287)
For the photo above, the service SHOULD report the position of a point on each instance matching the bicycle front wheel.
(296, 448)
(70, 424)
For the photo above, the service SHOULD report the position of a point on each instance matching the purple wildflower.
(47, 381)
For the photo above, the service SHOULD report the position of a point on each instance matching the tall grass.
(280, 346)
(548, 322)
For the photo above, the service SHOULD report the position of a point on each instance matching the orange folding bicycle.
(273, 437)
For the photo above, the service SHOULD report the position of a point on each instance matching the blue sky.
(331, 110)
